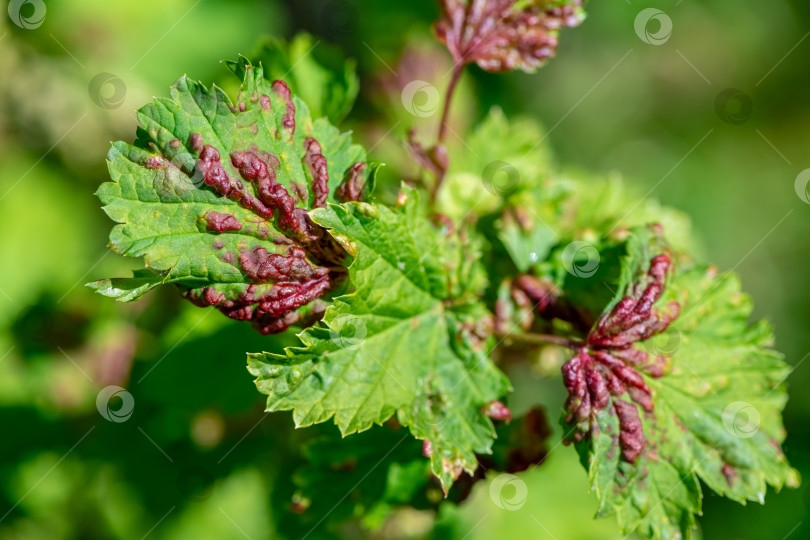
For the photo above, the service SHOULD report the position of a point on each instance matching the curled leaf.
(503, 35)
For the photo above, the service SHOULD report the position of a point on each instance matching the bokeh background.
(713, 121)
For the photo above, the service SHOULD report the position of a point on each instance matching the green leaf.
(716, 407)
(128, 289)
(556, 210)
(184, 198)
(315, 71)
(497, 159)
(380, 468)
(403, 343)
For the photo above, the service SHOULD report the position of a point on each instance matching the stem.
(542, 339)
(448, 98)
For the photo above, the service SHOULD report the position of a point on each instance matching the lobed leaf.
(697, 397)
(315, 71)
(403, 343)
(214, 196)
(503, 35)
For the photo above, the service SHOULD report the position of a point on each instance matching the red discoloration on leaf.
(631, 432)
(294, 281)
(502, 35)
(609, 364)
(266, 182)
(264, 101)
(208, 296)
(195, 141)
(291, 220)
(729, 473)
(219, 223)
(261, 266)
(315, 165)
(214, 173)
(215, 176)
(288, 120)
(454, 467)
(271, 311)
(498, 411)
(351, 188)
(528, 296)
(540, 291)
(156, 162)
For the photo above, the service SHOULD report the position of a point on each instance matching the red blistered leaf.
(503, 35)
(609, 364)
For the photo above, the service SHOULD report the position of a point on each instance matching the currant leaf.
(382, 468)
(315, 71)
(128, 289)
(503, 35)
(554, 210)
(404, 342)
(672, 386)
(497, 158)
(214, 195)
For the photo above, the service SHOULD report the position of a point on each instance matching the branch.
(541, 339)
(451, 88)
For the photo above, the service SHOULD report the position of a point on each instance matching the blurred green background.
(198, 458)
